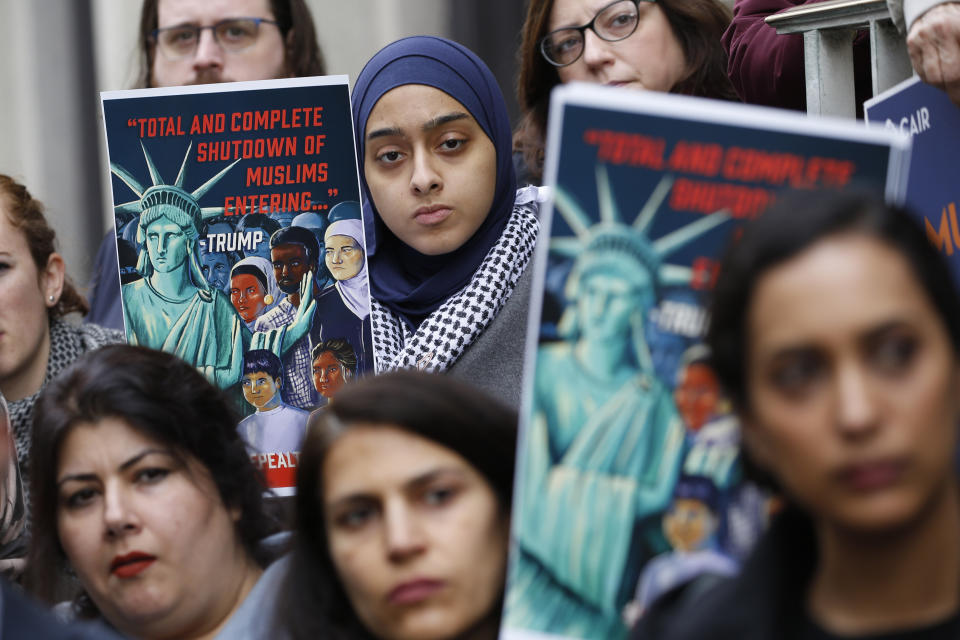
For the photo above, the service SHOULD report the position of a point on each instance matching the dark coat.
(333, 319)
(764, 601)
(22, 618)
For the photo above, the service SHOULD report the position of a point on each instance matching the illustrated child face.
(246, 295)
(259, 389)
(415, 532)
(327, 374)
(343, 256)
(688, 524)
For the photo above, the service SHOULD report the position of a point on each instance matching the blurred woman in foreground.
(403, 506)
(836, 332)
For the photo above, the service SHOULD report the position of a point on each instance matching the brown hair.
(302, 53)
(26, 214)
(697, 25)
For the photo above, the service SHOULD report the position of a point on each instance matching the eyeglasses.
(616, 21)
(234, 34)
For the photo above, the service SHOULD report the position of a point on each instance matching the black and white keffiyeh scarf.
(447, 332)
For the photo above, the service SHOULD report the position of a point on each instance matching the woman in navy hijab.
(449, 237)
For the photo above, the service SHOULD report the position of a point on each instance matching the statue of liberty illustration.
(605, 443)
(173, 308)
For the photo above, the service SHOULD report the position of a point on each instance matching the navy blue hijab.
(410, 283)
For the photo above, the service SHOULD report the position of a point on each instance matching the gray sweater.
(494, 362)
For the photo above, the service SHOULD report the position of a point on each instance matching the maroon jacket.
(766, 68)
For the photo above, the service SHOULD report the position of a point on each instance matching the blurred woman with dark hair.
(403, 509)
(657, 45)
(835, 330)
(145, 490)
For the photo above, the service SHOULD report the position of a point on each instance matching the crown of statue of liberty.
(612, 239)
(173, 195)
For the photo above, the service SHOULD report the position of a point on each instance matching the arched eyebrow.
(439, 121)
(86, 477)
(428, 126)
(416, 483)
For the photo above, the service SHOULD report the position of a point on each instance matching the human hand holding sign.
(934, 46)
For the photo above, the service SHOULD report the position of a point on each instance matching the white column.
(351, 31)
(47, 123)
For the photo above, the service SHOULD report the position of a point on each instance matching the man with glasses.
(204, 41)
(191, 42)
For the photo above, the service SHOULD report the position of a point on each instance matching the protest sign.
(229, 199)
(928, 116)
(629, 478)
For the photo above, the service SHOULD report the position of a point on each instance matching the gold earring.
(268, 299)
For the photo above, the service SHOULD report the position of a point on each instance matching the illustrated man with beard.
(294, 252)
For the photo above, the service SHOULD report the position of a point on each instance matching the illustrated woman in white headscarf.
(343, 309)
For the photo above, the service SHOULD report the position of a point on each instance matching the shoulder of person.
(94, 336)
(24, 618)
(256, 618)
(710, 607)
(327, 293)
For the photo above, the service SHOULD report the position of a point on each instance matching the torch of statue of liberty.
(173, 308)
(605, 442)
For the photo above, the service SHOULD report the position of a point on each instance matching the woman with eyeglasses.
(658, 45)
